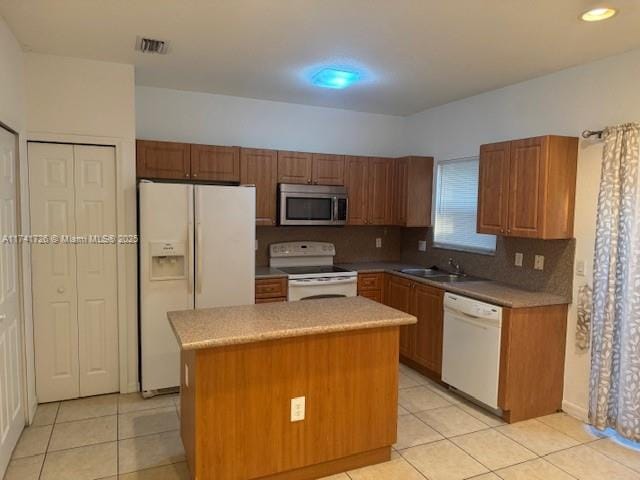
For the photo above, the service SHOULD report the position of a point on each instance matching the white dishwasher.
(471, 347)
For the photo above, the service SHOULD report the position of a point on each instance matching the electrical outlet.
(378, 243)
(518, 260)
(580, 268)
(297, 409)
(538, 263)
(422, 245)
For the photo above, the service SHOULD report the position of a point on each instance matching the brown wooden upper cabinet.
(527, 187)
(310, 168)
(184, 161)
(294, 167)
(369, 182)
(163, 160)
(260, 168)
(327, 169)
(213, 163)
(412, 191)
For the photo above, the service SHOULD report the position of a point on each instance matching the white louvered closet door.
(72, 192)
(11, 377)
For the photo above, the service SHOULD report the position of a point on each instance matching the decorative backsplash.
(357, 244)
(557, 276)
(353, 244)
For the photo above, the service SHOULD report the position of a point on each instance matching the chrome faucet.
(456, 266)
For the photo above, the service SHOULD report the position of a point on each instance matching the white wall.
(585, 97)
(13, 115)
(86, 101)
(175, 115)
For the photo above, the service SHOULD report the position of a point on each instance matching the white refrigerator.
(197, 250)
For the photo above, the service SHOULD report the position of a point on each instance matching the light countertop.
(485, 290)
(269, 272)
(216, 327)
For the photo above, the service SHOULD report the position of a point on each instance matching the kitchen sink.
(439, 275)
(422, 272)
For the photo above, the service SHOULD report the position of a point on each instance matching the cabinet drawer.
(271, 287)
(375, 295)
(370, 281)
(271, 300)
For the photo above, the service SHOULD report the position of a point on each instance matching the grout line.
(46, 450)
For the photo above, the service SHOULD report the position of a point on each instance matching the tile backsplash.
(557, 276)
(358, 244)
(353, 244)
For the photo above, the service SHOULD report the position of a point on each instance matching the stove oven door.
(325, 287)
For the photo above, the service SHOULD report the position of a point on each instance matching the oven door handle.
(314, 283)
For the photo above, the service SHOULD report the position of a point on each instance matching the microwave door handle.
(335, 209)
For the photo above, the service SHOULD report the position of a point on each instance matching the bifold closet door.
(95, 207)
(72, 194)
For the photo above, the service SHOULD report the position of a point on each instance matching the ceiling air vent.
(151, 45)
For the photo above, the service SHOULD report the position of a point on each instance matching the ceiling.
(414, 54)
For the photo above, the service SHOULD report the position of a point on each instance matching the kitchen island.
(292, 390)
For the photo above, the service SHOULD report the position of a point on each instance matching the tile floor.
(440, 437)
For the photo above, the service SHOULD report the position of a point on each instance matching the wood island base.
(236, 405)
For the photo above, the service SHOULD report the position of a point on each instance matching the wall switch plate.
(580, 268)
(538, 262)
(422, 245)
(518, 260)
(297, 409)
(378, 243)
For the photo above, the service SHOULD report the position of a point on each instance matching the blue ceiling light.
(335, 78)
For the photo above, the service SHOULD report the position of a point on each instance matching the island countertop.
(222, 326)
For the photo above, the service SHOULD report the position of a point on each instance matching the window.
(456, 205)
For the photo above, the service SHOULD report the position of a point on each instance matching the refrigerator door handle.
(190, 256)
(190, 246)
(199, 254)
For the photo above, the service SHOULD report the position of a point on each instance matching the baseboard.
(576, 411)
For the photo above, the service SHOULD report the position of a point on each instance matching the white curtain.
(615, 335)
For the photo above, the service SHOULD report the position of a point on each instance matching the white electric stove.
(309, 267)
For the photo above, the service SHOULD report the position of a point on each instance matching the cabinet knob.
(195, 175)
(186, 174)
(308, 181)
(60, 289)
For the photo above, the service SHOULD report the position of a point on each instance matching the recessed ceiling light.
(597, 14)
(335, 78)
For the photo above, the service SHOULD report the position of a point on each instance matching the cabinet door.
(400, 192)
(260, 168)
(418, 192)
(163, 160)
(379, 191)
(427, 307)
(493, 188)
(526, 183)
(328, 169)
(399, 297)
(357, 185)
(215, 163)
(294, 167)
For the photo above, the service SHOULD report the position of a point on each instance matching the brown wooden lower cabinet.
(531, 354)
(269, 290)
(236, 406)
(398, 296)
(371, 285)
(532, 361)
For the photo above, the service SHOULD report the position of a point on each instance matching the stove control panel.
(302, 249)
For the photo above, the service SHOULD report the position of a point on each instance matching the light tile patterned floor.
(440, 437)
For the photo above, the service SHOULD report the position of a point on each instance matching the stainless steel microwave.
(312, 205)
